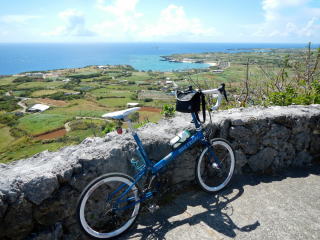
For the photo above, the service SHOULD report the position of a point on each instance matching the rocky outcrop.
(38, 195)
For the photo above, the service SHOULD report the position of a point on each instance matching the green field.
(28, 151)
(43, 85)
(35, 124)
(6, 80)
(80, 107)
(6, 138)
(41, 93)
(115, 102)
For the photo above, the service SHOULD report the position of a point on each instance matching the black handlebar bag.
(190, 101)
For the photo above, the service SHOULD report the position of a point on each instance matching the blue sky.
(289, 21)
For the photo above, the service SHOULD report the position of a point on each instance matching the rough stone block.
(263, 159)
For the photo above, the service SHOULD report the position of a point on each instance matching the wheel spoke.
(101, 211)
(213, 174)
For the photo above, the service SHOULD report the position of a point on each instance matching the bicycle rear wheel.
(108, 207)
(214, 175)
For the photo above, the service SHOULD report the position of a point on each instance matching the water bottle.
(138, 162)
(180, 138)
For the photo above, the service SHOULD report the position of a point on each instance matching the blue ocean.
(16, 58)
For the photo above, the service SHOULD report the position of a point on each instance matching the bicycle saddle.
(120, 114)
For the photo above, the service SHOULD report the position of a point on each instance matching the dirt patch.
(150, 109)
(51, 102)
(52, 135)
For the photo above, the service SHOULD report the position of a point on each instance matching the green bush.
(168, 110)
(8, 103)
(23, 79)
(8, 119)
(296, 96)
(17, 132)
(134, 96)
(84, 76)
(148, 100)
(134, 117)
(109, 127)
(63, 96)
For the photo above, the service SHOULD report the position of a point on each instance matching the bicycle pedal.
(153, 207)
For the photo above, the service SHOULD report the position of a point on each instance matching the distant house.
(50, 75)
(218, 71)
(38, 108)
(35, 74)
(131, 104)
(103, 67)
(72, 93)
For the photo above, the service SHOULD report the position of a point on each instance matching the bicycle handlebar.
(220, 92)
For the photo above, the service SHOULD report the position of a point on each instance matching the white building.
(131, 104)
(103, 67)
(35, 74)
(38, 108)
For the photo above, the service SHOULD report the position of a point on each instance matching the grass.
(28, 151)
(44, 85)
(80, 107)
(124, 87)
(40, 93)
(82, 134)
(6, 138)
(115, 102)
(105, 92)
(6, 80)
(39, 123)
(151, 116)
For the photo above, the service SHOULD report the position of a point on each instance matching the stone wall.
(38, 195)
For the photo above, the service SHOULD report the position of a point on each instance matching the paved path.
(22, 104)
(286, 206)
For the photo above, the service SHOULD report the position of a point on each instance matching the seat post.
(129, 125)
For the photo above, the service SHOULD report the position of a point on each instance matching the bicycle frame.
(157, 167)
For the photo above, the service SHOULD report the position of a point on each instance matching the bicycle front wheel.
(215, 165)
(108, 206)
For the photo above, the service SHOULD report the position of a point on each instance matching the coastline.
(17, 58)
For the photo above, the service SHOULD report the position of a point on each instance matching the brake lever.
(225, 95)
(222, 90)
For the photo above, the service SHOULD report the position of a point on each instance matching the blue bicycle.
(110, 204)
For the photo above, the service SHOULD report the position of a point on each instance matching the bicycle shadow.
(212, 210)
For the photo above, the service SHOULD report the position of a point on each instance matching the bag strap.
(203, 103)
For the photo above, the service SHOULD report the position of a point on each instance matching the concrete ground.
(282, 206)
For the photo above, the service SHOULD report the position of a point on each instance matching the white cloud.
(313, 12)
(272, 8)
(120, 7)
(173, 22)
(18, 19)
(122, 20)
(287, 18)
(311, 28)
(74, 25)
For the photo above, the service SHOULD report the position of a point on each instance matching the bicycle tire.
(91, 202)
(226, 156)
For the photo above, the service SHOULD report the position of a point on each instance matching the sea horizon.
(23, 57)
